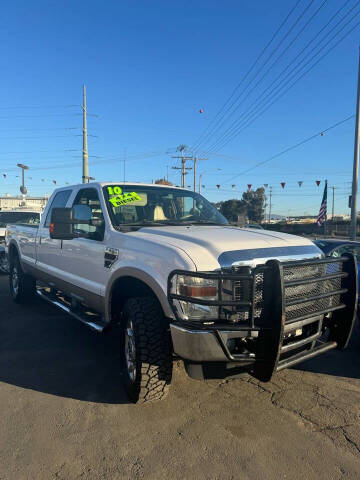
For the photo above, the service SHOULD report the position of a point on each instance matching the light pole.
(356, 163)
(23, 167)
(203, 173)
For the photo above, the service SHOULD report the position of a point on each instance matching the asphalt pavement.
(64, 415)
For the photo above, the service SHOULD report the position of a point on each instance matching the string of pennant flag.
(44, 180)
(266, 185)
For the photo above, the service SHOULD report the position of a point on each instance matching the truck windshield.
(142, 205)
(19, 217)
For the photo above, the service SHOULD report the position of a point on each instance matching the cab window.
(59, 201)
(87, 208)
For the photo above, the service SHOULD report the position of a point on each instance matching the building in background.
(8, 202)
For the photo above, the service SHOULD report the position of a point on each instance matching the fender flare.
(144, 277)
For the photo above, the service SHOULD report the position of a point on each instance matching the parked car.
(336, 248)
(19, 216)
(163, 264)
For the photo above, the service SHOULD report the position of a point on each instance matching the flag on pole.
(323, 208)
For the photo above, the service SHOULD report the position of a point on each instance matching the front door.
(83, 257)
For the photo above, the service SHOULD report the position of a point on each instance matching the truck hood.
(211, 247)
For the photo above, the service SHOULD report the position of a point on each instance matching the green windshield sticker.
(114, 190)
(119, 200)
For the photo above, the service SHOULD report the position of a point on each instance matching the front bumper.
(305, 308)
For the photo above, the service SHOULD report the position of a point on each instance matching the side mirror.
(62, 224)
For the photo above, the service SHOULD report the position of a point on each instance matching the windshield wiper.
(137, 225)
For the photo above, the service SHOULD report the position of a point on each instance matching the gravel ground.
(64, 414)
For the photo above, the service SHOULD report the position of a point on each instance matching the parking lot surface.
(64, 414)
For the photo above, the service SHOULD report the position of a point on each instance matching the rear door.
(48, 253)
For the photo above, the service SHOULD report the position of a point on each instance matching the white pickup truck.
(19, 216)
(181, 282)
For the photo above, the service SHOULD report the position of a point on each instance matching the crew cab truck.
(163, 264)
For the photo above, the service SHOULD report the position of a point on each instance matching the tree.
(250, 208)
(233, 209)
(162, 181)
(255, 204)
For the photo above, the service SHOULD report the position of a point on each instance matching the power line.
(37, 106)
(236, 107)
(302, 142)
(236, 122)
(42, 115)
(41, 129)
(239, 126)
(219, 113)
(41, 136)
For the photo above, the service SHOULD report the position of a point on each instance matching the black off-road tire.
(22, 286)
(4, 265)
(153, 351)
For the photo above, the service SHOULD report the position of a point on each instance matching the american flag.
(322, 213)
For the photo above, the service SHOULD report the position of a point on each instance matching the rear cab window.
(59, 201)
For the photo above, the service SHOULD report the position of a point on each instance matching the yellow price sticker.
(114, 190)
(126, 198)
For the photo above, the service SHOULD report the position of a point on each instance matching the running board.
(83, 317)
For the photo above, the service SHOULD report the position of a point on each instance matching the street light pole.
(270, 204)
(203, 173)
(356, 164)
(23, 167)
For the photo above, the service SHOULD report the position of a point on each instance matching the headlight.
(188, 289)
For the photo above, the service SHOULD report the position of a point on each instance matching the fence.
(332, 229)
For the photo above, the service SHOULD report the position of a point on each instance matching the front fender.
(143, 277)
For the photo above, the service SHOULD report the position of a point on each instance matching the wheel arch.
(132, 282)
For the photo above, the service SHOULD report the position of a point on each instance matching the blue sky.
(149, 66)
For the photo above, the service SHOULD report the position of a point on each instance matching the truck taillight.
(51, 228)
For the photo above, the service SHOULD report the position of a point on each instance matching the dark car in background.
(336, 248)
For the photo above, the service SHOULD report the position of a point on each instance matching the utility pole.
(356, 163)
(183, 167)
(195, 159)
(124, 162)
(270, 204)
(333, 203)
(85, 174)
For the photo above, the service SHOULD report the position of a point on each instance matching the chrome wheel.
(15, 280)
(130, 351)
